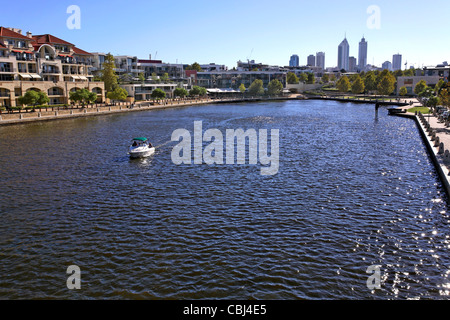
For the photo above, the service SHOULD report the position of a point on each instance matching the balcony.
(7, 70)
(52, 71)
(18, 58)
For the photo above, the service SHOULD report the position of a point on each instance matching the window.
(22, 67)
(408, 81)
(5, 67)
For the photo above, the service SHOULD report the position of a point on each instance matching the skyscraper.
(295, 61)
(387, 65)
(343, 54)
(320, 60)
(397, 62)
(311, 60)
(362, 58)
(352, 67)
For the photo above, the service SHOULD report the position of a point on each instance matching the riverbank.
(435, 133)
(68, 113)
(378, 100)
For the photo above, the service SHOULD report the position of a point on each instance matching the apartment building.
(43, 63)
(143, 92)
(233, 79)
(175, 71)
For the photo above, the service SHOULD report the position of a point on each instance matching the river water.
(352, 191)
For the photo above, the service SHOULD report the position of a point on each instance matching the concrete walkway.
(436, 135)
(27, 117)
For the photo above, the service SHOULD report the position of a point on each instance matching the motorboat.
(140, 148)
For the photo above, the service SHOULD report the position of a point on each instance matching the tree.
(118, 94)
(242, 88)
(381, 75)
(444, 97)
(386, 84)
(311, 78)
(165, 78)
(343, 84)
(180, 92)
(403, 91)
(194, 66)
(438, 86)
(432, 102)
(275, 88)
(83, 96)
(203, 91)
(398, 73)
(303, 77)
(426, 93)
(420, 86)
(158, 94)
(109, 76)
(256, 87)
(141, 77)
(292, 78)
(43, 98)
(30, 98)
(197, 91)
(325, 78)
(34, 98)
(370, 81)
(358, 85)
(409, 73)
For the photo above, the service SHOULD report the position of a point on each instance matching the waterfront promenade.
(56, 113)
(436, 136)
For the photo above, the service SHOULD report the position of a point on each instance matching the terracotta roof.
(79, 51)
(4, 32)
(49, 39)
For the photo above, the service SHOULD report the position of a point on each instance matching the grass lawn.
(423, 110)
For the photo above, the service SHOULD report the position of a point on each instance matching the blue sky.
(227, 31)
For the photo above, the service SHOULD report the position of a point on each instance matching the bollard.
(71, 112)
(446, 156)
(437, 141)
(98, 109)
(433, 135)
(21, 116)
(56, 113)
(441, 148)
(85, 110)
(39, 114)
(109, 108)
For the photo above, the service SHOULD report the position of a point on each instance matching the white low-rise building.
(410, 82)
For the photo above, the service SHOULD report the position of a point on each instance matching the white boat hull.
(141, 152)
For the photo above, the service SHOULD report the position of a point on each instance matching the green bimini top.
(140, 139)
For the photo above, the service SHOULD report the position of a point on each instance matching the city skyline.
(190, 32)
